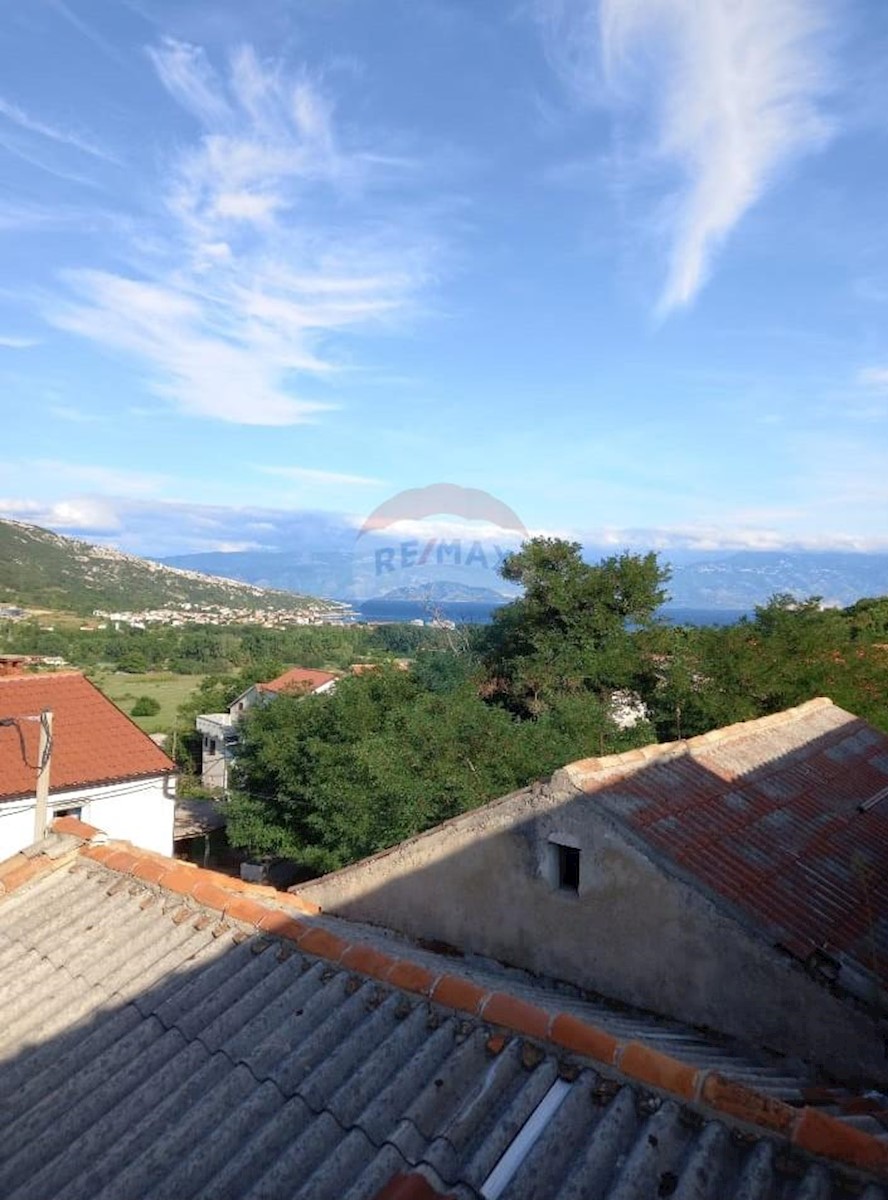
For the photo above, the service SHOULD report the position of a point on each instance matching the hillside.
(42, 569)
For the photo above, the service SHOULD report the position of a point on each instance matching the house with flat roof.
(100, 764)
(170, 1031)
(219, 730)
(738, 880)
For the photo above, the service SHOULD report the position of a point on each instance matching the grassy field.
(167, 689)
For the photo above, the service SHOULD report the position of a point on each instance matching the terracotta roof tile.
(93, 742)
(765, 815)
(297, 679)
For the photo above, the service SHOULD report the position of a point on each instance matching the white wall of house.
(217, 754)
(140, 811)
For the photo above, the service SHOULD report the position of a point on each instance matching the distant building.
(219, 730)
(102, 767)
(736, 881)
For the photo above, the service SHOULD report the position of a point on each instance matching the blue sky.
(621, 263)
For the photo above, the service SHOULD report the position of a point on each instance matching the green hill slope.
(42, 569)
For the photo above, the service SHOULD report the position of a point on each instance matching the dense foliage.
(336, 777)
(213, 650)
(328, 779)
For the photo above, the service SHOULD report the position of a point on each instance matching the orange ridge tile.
(242, 908)
(366, 960)
(98, 853)
(657, 1069)
(324, 944)
(74, 827)
(211, 895)
(821, 1134)
(502, 1009)
(807, 1128)
(122, 861)
(177, 879)
(574, 1034)
(149, 871)
(281, 925)
(411, 977)
(744, 1103)
(24, 872)
(455, 992)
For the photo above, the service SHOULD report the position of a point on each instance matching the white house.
(102, 767)
(219, 729)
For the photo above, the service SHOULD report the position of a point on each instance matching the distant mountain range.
(738, 580)
(42, 569)
(750, 577)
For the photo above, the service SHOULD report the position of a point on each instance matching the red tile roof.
(301, 679)
(765, 816)
(93, 741)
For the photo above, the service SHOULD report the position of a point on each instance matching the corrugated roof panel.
(223, 1068)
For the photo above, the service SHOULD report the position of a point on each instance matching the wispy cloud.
(874, 377)
(86, 30)
(310, 475)
(9, 342)
(276, 240)
(95, 476)
(65, 412)
(722, 94)
(16, 115)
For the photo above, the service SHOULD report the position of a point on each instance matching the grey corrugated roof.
(149, 1050)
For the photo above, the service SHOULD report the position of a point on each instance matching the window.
(68, 812)
(568, 868)
(561, 862)
(212, 745)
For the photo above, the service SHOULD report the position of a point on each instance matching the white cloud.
(310, 475)
(68, 137)
(724, 94)
(187, 75)
(271, 249)
(10, 342)
(874, 377)
(729, 537)
(85, 514)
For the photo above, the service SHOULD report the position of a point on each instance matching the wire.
(47, 748)
(16, 723)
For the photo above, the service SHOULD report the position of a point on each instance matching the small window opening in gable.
(568, 868)
(74, 811)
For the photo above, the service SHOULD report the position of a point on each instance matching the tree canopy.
(571, 631)
(328, 779)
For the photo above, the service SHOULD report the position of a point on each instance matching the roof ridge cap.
(583, 768)
(809, 1130)
(35, 861)
(43, 676)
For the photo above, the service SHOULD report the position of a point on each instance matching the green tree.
(145, 706)
(571, 629)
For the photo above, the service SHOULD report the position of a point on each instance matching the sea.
(474, 613)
